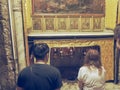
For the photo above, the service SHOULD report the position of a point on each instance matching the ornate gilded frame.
(68, 15)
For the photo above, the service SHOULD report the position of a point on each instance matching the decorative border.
(67, 24)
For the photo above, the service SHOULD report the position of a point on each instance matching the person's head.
(92, 57)
(40, 51)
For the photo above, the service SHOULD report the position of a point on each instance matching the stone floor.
(74, 86)
(112, 86)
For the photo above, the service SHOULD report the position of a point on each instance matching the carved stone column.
(18, 26)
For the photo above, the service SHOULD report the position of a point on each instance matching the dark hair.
(93, 58)
(40, 50)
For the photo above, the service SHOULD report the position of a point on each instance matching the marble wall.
(7, 65)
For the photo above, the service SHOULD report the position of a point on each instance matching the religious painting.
(49, 23)
(37, 24)
(62, 24)
(68, 6)
(85, 24)
(97, 24)
(74, 23)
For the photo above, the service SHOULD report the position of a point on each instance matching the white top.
(91, 78)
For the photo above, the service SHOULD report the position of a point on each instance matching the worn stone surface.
(7, 75)
(74, 86)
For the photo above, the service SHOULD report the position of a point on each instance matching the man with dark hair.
(39, 76)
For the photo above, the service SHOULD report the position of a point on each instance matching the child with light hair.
(91, 75)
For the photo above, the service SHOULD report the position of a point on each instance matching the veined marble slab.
(107, 33)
